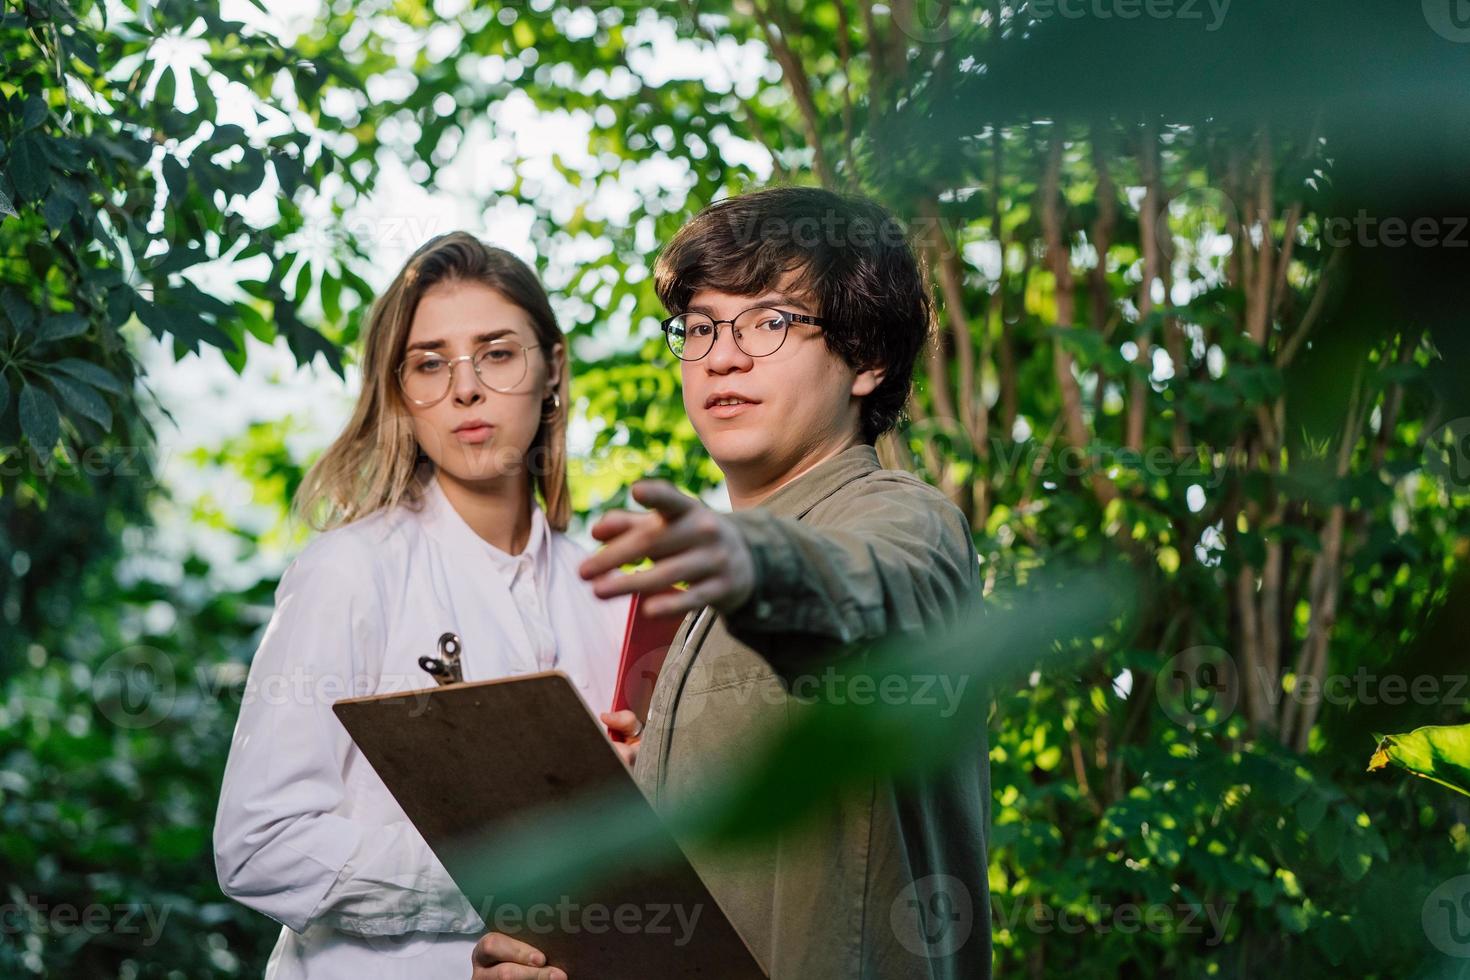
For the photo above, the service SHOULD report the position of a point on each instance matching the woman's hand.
(499, 957)
(687, 541)
(631, 728)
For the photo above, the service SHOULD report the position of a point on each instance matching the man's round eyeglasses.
(758, 332)
(426, 376)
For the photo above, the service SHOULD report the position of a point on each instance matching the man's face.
(794, 406)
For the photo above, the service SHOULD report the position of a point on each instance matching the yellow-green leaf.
(1439, 753)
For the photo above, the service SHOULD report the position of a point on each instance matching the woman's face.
(475, 434)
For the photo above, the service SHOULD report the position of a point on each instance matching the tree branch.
(1060, 259)
(1148, 227)
(799, 84)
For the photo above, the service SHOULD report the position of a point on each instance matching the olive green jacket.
(889, 882)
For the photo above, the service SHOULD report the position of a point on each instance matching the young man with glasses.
(798, 315)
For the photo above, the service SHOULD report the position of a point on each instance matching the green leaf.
(34, 112)
(289, 172)
(190, 297)
(92, 374)
(19, 312)
(259, 327)
(186, 326)
(63, 325)
(237, 358)
(176, 177)
(6, 208)
(63, 10)
(331, 297)
(1354, 864)
(4, 393)
(64, 153)
(303, 284)
(307, 343)
(177, 259)
(167, 88)
(1310, 810)
(39, 419)
(82, 400)
(1438, 753)
(119, 305)
(29, 171)
(58, 210)
(208, 105)
(86, 53)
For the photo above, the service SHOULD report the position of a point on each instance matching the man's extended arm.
(900, 561)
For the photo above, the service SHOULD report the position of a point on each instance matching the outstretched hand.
(687, 541)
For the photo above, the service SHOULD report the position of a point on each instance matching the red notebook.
(645, 645)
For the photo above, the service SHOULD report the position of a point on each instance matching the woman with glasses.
(444, 505)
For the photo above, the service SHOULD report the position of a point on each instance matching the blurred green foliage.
(1155, 343)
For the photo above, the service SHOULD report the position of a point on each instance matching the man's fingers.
(497, 947)
(514, 971)
(680, 603)
(624, 721)
(687, 567)
(627, 546)
(511, 971)
(613, 523)
(664, 497)
(640, 541)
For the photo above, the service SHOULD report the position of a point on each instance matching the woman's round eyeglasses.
(759, 332)
(425, 376)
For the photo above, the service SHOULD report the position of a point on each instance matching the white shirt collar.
(444, 522)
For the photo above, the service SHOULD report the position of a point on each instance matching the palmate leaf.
(39, 419)
(29, 172)
(93, 374)
(185, 325)
(82, 400)
(62, 326)
(1438, 753)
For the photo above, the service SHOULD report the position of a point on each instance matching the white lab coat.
(306, 832)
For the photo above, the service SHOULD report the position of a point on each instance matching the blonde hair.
(375, 463)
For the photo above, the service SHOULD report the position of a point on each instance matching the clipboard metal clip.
(445, 668)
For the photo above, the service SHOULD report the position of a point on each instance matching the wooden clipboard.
(464, 760)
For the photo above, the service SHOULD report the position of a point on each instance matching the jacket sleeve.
(900, 561)
(285, 840)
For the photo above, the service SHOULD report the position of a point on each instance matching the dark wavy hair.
(852, 263)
